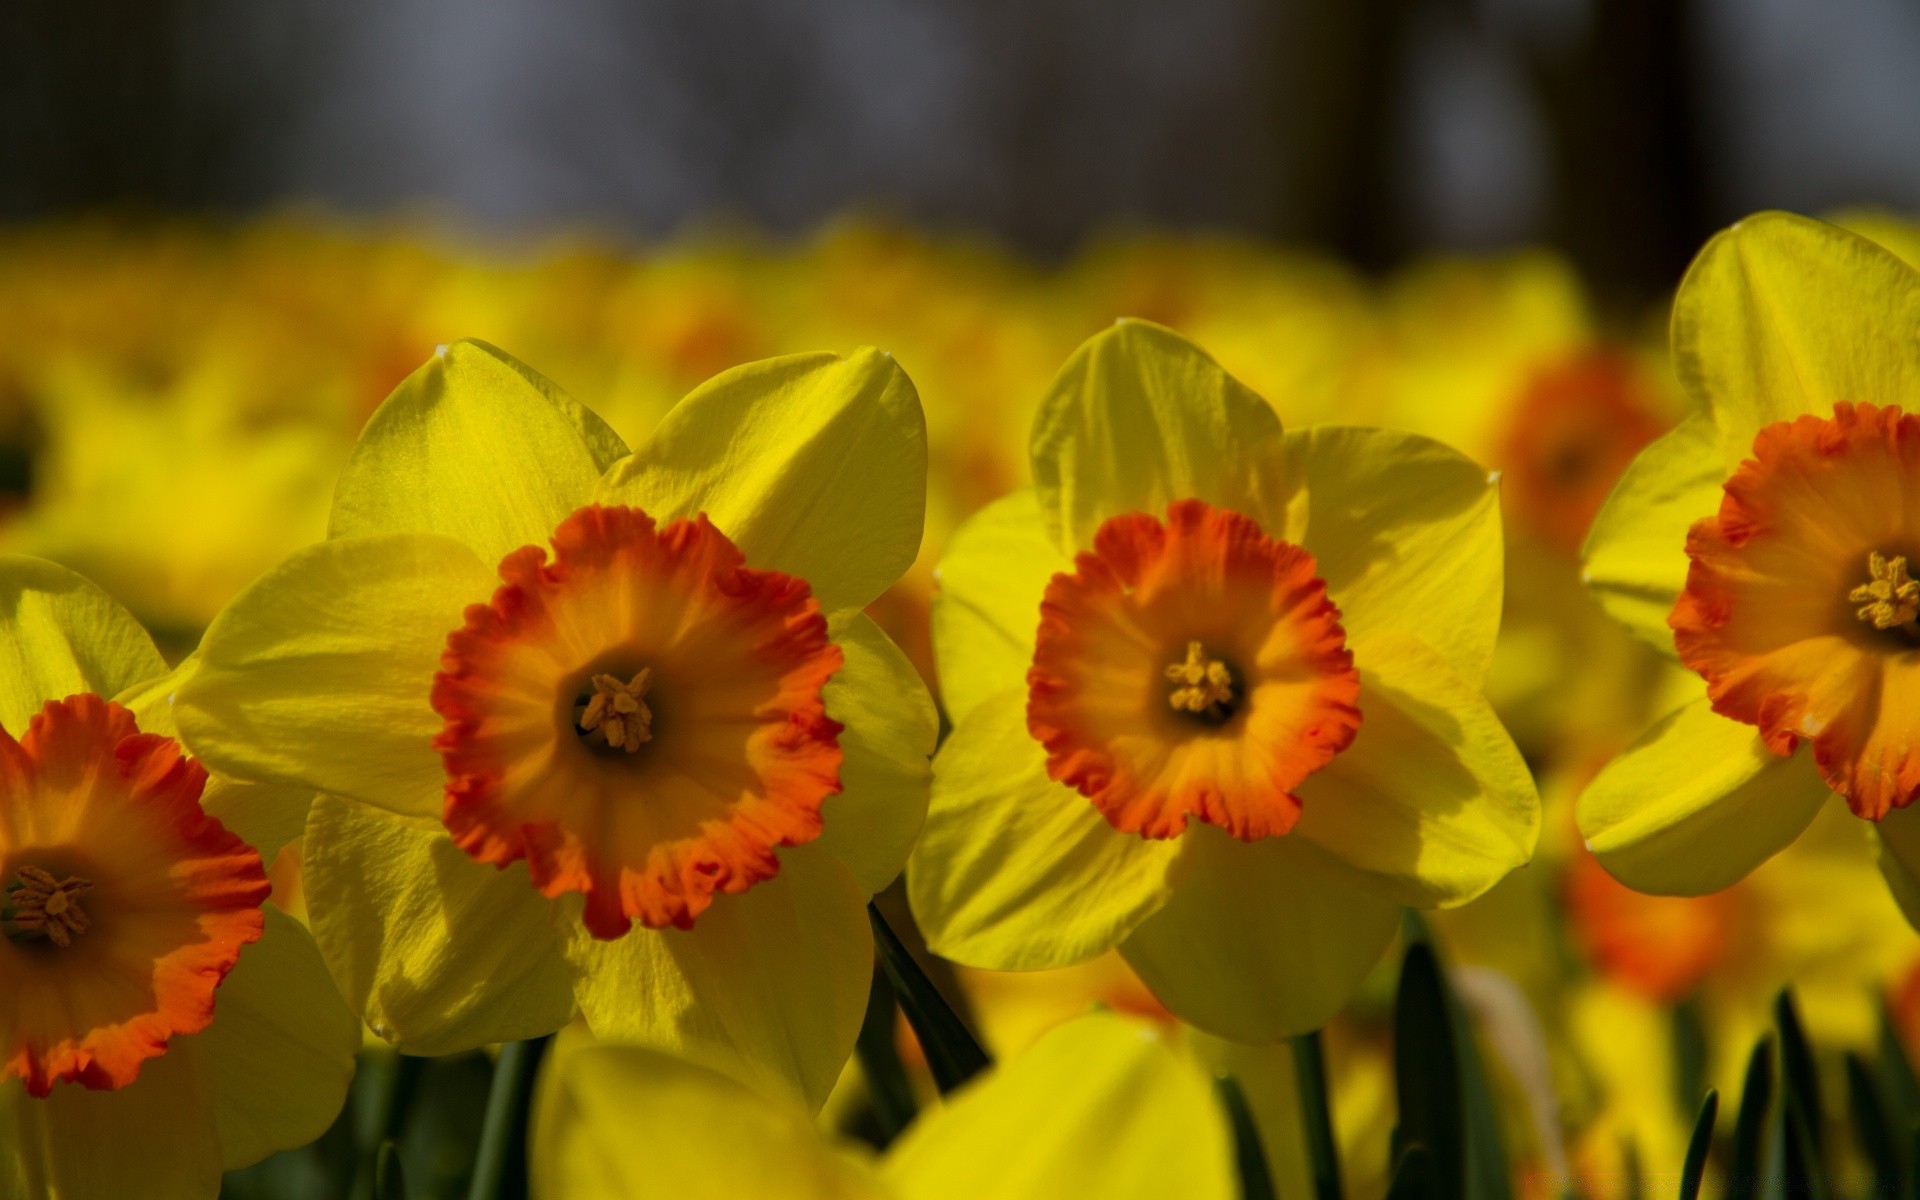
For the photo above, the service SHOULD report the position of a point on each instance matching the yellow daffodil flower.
(1215, 694)
(1101, 1106)
(158, 1023)
(653, 772)
(1765, 544)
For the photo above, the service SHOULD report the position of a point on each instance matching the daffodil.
(1215, 694)
(158, 1023)
(1765, 543)
(1102, 1106)
(651, 769)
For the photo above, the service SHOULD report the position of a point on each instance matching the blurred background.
(1621, 131)
(228, 229)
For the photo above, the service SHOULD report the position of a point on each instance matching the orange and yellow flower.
(1215, 697)
(649, 771)
(148, 1000)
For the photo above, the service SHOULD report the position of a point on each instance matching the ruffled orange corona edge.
(175, 896)
(740, 754)
(1766, 618)
(1098, 690)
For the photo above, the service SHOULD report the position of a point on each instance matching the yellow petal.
(319, 675)
(280, 1051)
(1696, 803)
(60, 635)
(614, 1121)
(994, 570)
(477, 446)
(154, 1137)
(887, 744)
(1016, 872)
(1432, 804)
(774, 979)
(1259, 941)
(814, 464)
(1406, 532)
(1897, 838)
(1635, 559)
(438, 953)
(1101, 1106)
(1140, 417)
(265, 815)
(1782, 315)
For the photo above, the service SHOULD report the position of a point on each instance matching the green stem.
(394, 1077)
(887, 1087)
(1249, 1156)
(952, 1053)
(1316, 1114)
(505, 1124)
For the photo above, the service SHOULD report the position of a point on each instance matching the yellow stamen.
(619, 712)
(38, 905)
(1891, 598)
(1205, 683)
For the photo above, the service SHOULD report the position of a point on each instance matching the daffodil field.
(874, 716)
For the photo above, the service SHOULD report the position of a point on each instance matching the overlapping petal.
(1260, 941)
(1140, 417)
(318, 675)
(1697, 803)
(59, 636)
(1432, 804)
(1635, 557)
(1015, 871)
(886, 745)
(813, 464)
(1406, 532)
(438, 953)
(1782, 315)
(279, 1054)
(992, 575)
(1102, 1106)
(477, 446)
(775, 978)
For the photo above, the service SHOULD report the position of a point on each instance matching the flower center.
(39, 906)
(1202, 685)
(617, 712)
(1890, 598)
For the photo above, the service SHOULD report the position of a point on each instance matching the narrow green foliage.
(1913, 1156)
(1806, 1174)
(384, 1099)
(1413, 1173)
(887, 1086)
(1634, 1185)
(1873, 1127)
(952, 1053)
(1695, 1167)
(389, 1181)
(1902, 1089)
(1426, 1075)
(500, 1165)
(1689, 1052)
(1316, 1114)
(1800, 1076)
(1750, 1128)
(1249, 1155)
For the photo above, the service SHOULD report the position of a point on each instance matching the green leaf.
(1689, 1052)
(1896, 1074)
(1801, 1077)
(1698, 1145)
(1750, 1128)
(1413, 1173)
(887, 1086)
(1316, 1115)
(389, 1180)
(1873, 1128)
(1249, 1156)
(1805, 1175)
(1426, 1075)
(499, 1167)
(953, 1055)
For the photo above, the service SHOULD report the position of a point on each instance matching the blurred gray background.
(1622, 130)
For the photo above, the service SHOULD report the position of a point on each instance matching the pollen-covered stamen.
(618, 711)
(1203, 685)
(41, 906)
(1890, 598)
